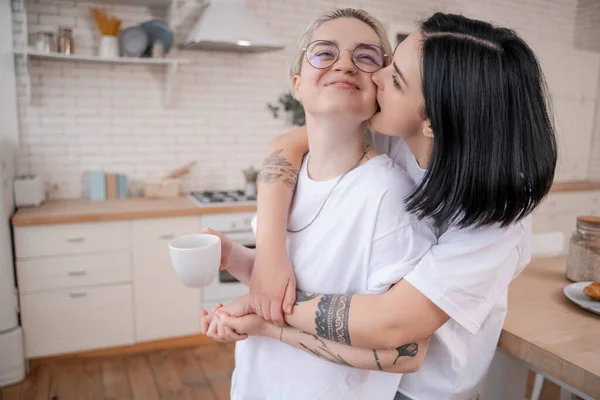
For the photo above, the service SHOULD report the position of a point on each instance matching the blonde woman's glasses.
(323, 54)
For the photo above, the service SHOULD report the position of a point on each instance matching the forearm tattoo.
(304, 296)
(276, 167)
(377, 360)
(409, 350)
(331, 318)
(321, 350)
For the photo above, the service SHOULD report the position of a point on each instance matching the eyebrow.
(400, 73)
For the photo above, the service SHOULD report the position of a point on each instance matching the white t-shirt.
(466, 274)
(362, 242)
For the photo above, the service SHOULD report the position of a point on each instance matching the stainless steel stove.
(222, 198)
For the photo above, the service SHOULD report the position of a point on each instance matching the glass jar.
(64, 40)
(44, 42)
(583, 263)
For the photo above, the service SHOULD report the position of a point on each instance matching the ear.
(427, 131)
(296, 83)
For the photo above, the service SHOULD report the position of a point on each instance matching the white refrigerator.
(12, 359)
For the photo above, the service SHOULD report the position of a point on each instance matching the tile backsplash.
(86, 116)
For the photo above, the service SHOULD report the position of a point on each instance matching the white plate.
(574, 292)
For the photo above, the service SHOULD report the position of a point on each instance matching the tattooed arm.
(351, 319)
(406, 358)
(273, 283)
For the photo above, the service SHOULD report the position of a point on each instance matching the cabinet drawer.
(50, 240)
(73, 271)
(71, 320)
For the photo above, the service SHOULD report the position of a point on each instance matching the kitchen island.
(548, 333)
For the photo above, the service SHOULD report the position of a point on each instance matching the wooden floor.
(194, 373)
(198, 373)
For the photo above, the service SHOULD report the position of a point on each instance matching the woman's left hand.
(251, 325)
(214, 329)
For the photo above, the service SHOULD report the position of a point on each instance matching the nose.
(345, 63)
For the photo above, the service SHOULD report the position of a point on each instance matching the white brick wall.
(85, 116)
(594, 171)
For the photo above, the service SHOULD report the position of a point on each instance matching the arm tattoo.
(268, 177)
(377, 360)
(331, 318)
(304, 296)
(275, 159)
(409, 350)
(323, 351)
(274, 167)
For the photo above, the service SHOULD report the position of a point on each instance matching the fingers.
(212, 330)
(289, 297)
(204, 322)
(266, 309)
(222, 333)
(239, 307)
(277, 314)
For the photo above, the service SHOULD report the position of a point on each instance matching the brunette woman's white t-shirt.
(361, 242)
(466, 274)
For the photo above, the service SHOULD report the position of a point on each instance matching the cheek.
(402, 112)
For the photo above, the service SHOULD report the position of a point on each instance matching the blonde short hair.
(331, 15)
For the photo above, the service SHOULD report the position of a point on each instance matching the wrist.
(271, 330)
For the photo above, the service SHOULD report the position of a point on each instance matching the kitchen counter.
(548, 331)
(574, 186)
(85, 210)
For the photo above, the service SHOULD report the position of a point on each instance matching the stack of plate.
(137, 41)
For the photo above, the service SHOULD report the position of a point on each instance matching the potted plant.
(290, 105)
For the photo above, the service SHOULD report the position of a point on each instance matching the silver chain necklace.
(367, 148)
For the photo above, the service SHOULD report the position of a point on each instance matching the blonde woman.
(347, 206)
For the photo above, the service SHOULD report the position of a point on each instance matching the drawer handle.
(167, 236)
(78, 294)
(75, 239)
(77, 273)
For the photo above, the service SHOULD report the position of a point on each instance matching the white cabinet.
(69, 320)
(49, 240)
(164, 307)
(86, 286)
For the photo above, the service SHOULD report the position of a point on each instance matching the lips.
(343, 84)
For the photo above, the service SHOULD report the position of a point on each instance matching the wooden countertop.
(84, 210)
(575, 186)
(545, 329)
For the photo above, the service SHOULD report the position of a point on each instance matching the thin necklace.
(367, 148)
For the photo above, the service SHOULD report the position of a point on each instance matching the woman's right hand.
(226, 246)
(273, 286)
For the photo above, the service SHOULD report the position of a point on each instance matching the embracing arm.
(276, 184)
(399, 316)
(403, 359)
(273, 283)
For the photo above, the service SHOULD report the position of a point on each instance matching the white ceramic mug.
(196, 258)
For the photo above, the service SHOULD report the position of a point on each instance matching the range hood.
(228, 25)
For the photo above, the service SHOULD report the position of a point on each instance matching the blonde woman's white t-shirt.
(466, 274)
(361, 242)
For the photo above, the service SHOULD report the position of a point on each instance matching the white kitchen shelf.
(170, 63)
